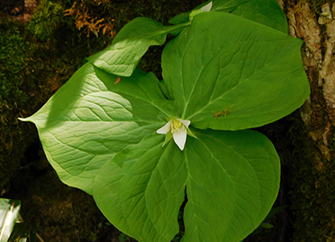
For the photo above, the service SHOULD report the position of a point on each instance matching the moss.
(11, 62)
(12, 97)
(46, 19)
(30, 72)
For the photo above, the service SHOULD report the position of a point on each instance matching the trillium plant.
(176, 128)
(149, 150)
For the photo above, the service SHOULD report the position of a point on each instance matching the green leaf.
(131, 43)
(267, 12)
(233, 182)
(90, 119)
(231, 179)
(9, 212)
(267, 225)
(142, 189)
(234, 76)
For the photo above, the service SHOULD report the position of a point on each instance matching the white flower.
(178, 129)
(207, 7)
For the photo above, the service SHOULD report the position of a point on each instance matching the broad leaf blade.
(233, 181)
(131, 43)
(234, 76)
(90, 119)
(267, 12)
(142, 189)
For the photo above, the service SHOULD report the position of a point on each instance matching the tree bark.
(313, 169)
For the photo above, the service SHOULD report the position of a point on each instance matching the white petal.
(185, 122)
(207, 7)
(165, 129)
(179, 138)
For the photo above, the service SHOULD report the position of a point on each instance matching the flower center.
(175, 125)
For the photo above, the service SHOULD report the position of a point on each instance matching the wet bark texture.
(313, 169)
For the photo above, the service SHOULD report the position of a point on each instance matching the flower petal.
(179, 138)
(165, 129)
(185, 122)
(207, 7)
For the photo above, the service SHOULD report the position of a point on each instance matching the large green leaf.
(232, 183)
(130, 44)
(90, 119)
(142, 189)
(234, 76)
(231, 179)
(267, 12)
